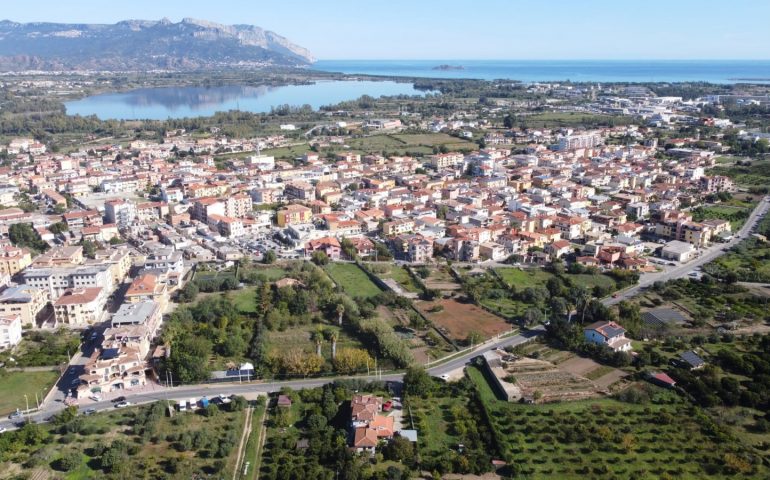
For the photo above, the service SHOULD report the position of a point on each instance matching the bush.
(68, 462)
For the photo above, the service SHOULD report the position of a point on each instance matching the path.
(260, 442)
(244, 438)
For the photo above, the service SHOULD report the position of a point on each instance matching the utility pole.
(26, 400)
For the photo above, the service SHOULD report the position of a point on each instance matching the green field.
(556, 119)
(397, 273)
(612, 439)
(523, 277)
(287, 153)
(352, 280)
(301, 337)
(14, 385)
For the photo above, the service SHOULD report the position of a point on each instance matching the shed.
(692, 360)
(284, 401)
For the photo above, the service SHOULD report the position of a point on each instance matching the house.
(677, 251)
(692, 360)
(661, 379)
(609, 334)
(112, 369)
(328, 245)
(367, 425)
(283, 401)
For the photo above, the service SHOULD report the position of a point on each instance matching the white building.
(10, 331)
(609, 334)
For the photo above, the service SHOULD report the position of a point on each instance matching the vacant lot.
(14, 385)
(523, 277)
(441, 279)
(301, 337)
(458, 319)
(353, 280)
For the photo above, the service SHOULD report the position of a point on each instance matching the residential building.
(294, 215)
(13, 260)
(120, 212)
(608, 334)
(25, 301)
(80, 307)
(10, 331)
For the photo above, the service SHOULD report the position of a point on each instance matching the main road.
(437, 369)
(706, 255)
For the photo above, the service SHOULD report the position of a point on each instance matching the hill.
(133, 45)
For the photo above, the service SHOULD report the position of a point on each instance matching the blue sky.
(454, 29)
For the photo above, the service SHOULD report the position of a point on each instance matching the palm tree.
(340, 312)
(318, 337)
(333, 337)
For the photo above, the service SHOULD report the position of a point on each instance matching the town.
(568, 240)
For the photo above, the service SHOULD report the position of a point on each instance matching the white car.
(96, 398)
(3, 429)
(122, 404)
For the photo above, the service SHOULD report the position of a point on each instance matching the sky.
(454, 29)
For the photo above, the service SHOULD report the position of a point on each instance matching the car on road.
(122, 404)
(96, 397)
(15, 415)
(3, 429)
(614, 295)
(119, 399)
(89, 411)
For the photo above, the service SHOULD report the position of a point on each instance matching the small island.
(448, 67)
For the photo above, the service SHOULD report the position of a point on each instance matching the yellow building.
(14, 259)
(294, 214)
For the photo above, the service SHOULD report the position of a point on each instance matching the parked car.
(96, 397)
(119, 399)
(15, 415)
(122, 404)
(89, 411)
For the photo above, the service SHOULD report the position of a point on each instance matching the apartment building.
(80, 307)
(55, 281)
(13, 260)
(10, 331)
(294, 215)
(25, 301)
(120, 212)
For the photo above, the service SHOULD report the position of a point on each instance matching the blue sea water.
(713, 71)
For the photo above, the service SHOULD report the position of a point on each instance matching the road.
(707, 255)
(212, 390)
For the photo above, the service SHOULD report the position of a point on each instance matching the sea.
(712, 71)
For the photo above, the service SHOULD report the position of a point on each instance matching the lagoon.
(181, 102)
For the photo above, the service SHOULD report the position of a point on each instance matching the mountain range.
(141, 45)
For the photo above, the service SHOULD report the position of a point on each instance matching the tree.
(317, 337)
(296, 361)
(417, 382)
(400, 449)
(351, 360)
(89, 248)
(340, 310)
(57, 228)
(319, 258)
(269, 257)
(23, 235)
(333, 335)
(68, 462)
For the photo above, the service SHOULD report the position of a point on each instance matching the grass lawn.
(245, 299)
(287, 153)
(13, 386)
(591, 281)
(300, 337)
(523, 277)
(607, 438)
(352, 279)
(397, 273)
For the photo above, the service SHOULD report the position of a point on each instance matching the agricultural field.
(607, 438)
(137, 442)
(287, 153)
(458, 320)
(523, 277)
(14, 385)
(558, 119)
(423, 341)
(353, 281)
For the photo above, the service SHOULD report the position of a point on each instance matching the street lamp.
(26, 400)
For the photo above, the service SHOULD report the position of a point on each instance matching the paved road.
(706, 255)
(212, 390)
